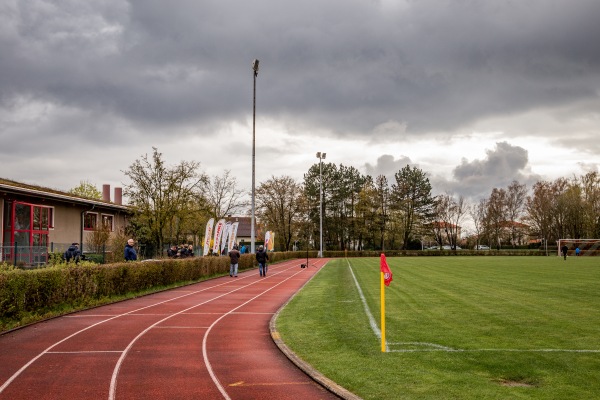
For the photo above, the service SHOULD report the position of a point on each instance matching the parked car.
(481, 247)
(448, 247)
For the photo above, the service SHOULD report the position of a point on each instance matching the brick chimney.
(106, 192)
(119, 196)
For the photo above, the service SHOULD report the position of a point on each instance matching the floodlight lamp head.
(318, 154)
(324, 154)
(255, 66)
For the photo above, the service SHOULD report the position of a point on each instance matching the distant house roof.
(17, 188)
(515, 224)
(442, 225)
(244, 226)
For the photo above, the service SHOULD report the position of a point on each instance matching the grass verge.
(457, 327)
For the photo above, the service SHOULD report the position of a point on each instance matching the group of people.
(565, 249)
(261, 257)
(181, 251)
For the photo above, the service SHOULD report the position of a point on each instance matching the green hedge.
(31, 295)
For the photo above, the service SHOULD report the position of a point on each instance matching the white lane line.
(204, 350)
(27, 365)
(85, 352)
(113, 381)
(372, 321)
(180, 327)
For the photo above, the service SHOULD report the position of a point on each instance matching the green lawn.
(456, 327)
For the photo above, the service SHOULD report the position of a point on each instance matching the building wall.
(67, 219)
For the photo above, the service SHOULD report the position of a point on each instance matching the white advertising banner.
(208, 235)
(218, 235)
(226, 233)
(233, 235)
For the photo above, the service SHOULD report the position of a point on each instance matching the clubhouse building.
(35, 220)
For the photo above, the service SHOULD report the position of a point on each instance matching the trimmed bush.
(29, 295)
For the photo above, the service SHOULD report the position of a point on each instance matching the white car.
(481, 247)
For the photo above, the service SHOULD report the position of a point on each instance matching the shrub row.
(32, 294)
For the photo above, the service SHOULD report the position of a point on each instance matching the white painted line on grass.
(431, 347)
(372, 321)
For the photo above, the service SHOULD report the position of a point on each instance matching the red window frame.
(40, 221)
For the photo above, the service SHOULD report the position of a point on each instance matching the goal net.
(587, 247)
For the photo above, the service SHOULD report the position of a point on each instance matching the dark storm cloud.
(501, 166)
(115, 73)
(387, 166)
(349, 65)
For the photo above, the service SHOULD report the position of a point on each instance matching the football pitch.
(456, 327)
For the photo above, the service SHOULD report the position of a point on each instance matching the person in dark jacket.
(73, 253)
(234, 256)
(130, 253)
(172, 252)
(262, 257)
(564, 250)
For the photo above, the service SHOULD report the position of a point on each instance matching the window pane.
(45, 213)
(37, 218)
(23, 216)
(22, 238)
(91, 221)
(40, 240)
(107, 222)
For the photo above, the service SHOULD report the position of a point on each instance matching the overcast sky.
(475, 93)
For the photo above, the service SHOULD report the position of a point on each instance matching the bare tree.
(158, 193)
(451, 211)
(278, 206)
(477, 212)
(496, 214)
(516, 194)
(223, 196)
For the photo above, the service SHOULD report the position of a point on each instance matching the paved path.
(210, 340)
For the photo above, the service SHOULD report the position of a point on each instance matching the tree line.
(173, 203)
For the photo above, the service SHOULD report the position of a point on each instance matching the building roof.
(12, 187)
(244, 226)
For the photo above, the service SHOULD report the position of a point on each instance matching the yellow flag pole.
(382, 313)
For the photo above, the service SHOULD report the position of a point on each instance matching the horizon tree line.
(172, 204)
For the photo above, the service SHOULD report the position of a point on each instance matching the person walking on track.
(262, 257)
(234, 257)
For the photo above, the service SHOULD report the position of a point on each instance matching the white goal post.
(587, 247)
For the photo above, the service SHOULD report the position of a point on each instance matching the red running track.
(209, 340)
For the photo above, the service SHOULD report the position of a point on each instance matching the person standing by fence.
(73, 253)
(130, 253)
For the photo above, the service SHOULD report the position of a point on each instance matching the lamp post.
(321, 157)
(252, 231)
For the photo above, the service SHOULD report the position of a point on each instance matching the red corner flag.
(387, 274)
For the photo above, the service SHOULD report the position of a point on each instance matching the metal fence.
(24, 255)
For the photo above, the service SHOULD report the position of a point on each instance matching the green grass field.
(456, 327)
